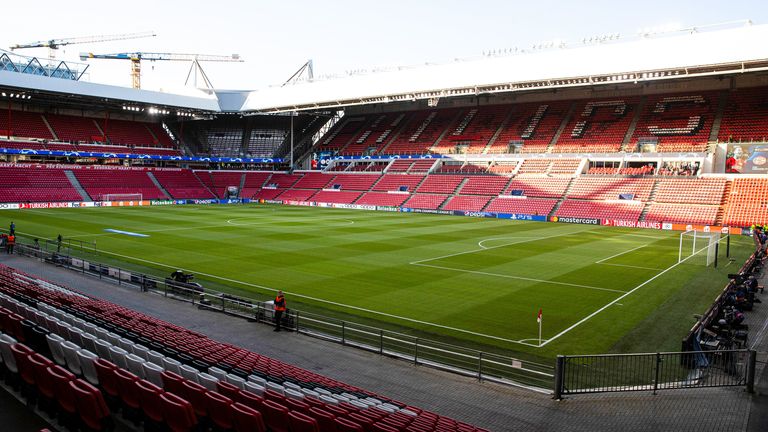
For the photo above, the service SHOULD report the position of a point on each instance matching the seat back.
(247, 419)
(43, 379)
(172, 382)
(105, 371)
(149, 400)
(227, 389)
(195, 394)
(90, 404)
(153, 373)
(54, 344)
(220, 410)
(275, 416)
(135, 365)
(344, 425)
(21, 355)
(302, 423)
(325, 420)
(178, 414)
(64, 396)
(86, 359)
(126, 385)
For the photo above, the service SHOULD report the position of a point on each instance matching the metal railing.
(484, 366)
(654, 371)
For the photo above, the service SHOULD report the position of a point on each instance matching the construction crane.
(137, 57)
(54, 44)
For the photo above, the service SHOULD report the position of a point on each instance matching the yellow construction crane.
(137, 57)
(54, 44)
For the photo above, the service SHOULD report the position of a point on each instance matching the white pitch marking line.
(330, 302)
(496, 247)
(588, 317)
(229, 224)
(521, 278)
(480, 243)
(631, 266)
(620, 253)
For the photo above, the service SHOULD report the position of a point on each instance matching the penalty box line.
(332, 302)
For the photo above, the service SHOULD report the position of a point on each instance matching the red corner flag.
(538, 317)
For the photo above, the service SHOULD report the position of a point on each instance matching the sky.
(276, 37)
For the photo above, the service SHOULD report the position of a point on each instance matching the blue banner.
(138, 156)
(522, 217)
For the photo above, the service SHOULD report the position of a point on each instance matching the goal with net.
(699, 248)
(122, 197)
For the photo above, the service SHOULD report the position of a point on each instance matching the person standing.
(58, 244)
(12, 231)
(10, 243)
(279, 309)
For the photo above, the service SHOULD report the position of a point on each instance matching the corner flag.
(538, 320)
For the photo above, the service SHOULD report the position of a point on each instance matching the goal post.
(122, 197)
(699, 248)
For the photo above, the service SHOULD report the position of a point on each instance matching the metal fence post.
(381, 341)
(656, 373)
(297, 321)
(343, 334)
(750, 378)
(480, 366)
(416, 353)
(559, 377)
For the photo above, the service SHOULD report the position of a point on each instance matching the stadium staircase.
(205, 184)
(48, 125)
(724, 202)
(722, 102)
(76, 184)
(158, 185)
(561, 128)
(633, 124)
(651, 200)
(562, 198)
(498, 132)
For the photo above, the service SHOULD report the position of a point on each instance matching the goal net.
(698, 248)
(122, 197)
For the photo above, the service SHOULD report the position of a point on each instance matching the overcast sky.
(276, 37)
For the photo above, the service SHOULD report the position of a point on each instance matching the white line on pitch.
(521, 278)
(327, 301)
(496, 247)
(620, 254)
(588, 317)
(631, 266)
(480, 243)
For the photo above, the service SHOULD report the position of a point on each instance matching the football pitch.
(467, 280)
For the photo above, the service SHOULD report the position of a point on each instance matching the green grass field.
(473, 281)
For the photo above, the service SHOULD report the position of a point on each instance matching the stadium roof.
(685, 55)
(693, 54)
(196, 100)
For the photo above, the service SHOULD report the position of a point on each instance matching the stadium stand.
(182, 184)
(297, 194)
(679, 122)
(682, 213)
(426, 201)
(313, 180)
(745, 117)
(629, 211)
(35, 183)
(357, 182)
(466, 203)
(484, 185)
(74, 129)
(441, 184)
(166, 376)
(394, 182)
(383, 199)
(597, 126)
(101, 182)
(531, 127)
(335, 197)
(539, 187)
(25, 125)
(531, 206)
(747, 202)
(254, 182)
(421, 131)
(607, 188)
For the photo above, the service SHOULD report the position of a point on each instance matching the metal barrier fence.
(654, 371)
(484, 366)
